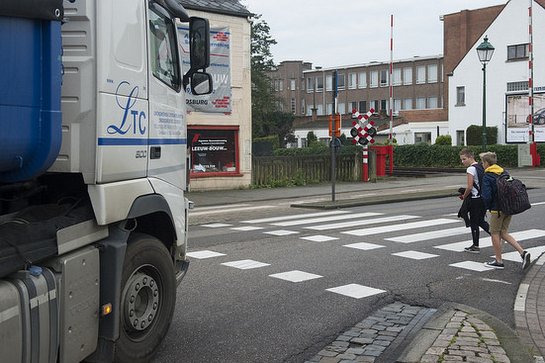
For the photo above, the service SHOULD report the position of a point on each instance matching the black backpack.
(512, 197)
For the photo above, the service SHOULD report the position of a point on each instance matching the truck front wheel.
(147, 299)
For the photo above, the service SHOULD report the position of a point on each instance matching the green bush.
(273, 140)
(311, 138)
(443, 140)
(474, 135)
(424, 155)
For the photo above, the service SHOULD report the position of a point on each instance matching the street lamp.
(484, 51)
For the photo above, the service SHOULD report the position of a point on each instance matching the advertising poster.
(219, 101)
(213, 151)
(518, 117)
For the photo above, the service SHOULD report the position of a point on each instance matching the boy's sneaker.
(525, 260)
(472, 249)
(495, 264)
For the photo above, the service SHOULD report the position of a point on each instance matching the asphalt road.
(228, 314)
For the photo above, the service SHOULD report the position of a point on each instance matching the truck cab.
(93, 174)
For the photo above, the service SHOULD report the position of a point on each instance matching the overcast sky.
(343, 32)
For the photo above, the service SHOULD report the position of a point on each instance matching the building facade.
(220, 126)
(507, 74)
(418, 97)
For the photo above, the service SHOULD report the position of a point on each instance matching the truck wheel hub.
(141, 301)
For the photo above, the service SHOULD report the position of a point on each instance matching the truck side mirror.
(199, 43)
(201, 83)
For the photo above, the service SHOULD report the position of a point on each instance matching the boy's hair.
(490, 157)
(467, 153)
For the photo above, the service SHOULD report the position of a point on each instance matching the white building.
(507, 77)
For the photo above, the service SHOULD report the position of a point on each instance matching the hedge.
(423, 155)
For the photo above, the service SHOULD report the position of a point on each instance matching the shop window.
(214, 151)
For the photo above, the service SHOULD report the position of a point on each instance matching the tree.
(311, 138)
(267, 118)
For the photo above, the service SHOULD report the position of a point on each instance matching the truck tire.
(148, 297)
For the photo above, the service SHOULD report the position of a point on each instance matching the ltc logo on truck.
(133, 120)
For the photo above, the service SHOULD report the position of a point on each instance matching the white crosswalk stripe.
(296, 216)
(424, 236)
(487, 242)
(354, 223)
(325, 219)
(400, 227)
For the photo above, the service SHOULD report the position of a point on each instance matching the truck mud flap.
(29, 317)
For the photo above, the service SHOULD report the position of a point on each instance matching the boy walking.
(475, 172)
(499, 222)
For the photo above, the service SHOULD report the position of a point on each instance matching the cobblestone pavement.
(369, 339)
(462, 337)
(466, 339)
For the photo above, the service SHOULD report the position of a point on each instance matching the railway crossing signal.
(363, 130)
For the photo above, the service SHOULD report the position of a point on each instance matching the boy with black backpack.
(472, 198)
(499, 221)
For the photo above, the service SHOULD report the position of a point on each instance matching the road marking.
(295, 216)
(319, 238)
(415, 255)
(535, 252)
(539, 203)
(325, 219)
(295, 276)
(218, 207)
(204, 254)
(400, 227)
(356, 291)
(281, 232)
(226, 209)
(364, 246)
(487, 242)
(354, 223)
(424, 236)
(498, 281)
(473, 266)
(246, 228)
(216, 225)
(245, 264)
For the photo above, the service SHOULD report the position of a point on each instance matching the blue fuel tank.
(30, 96)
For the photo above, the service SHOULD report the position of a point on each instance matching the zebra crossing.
(336, 226)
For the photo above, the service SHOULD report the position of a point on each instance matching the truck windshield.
(164, 57)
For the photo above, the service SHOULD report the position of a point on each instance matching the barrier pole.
(365, 151)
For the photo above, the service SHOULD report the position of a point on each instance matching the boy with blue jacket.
(499, 222)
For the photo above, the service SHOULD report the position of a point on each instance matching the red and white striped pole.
(365, 163)
(531, 129)
(390, 137)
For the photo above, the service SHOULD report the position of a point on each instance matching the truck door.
(167, 117)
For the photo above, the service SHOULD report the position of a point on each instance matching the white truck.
(93, 169)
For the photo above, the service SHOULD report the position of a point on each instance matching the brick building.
(418, 97)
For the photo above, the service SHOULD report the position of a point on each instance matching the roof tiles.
(228, 7)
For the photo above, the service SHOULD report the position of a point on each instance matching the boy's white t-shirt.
(473, 171)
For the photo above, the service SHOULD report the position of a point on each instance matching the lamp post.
(484, 51)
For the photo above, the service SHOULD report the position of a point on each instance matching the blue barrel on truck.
(30, 87)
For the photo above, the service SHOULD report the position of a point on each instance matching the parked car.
(539, 117)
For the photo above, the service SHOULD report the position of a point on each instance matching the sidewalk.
(408, 334)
